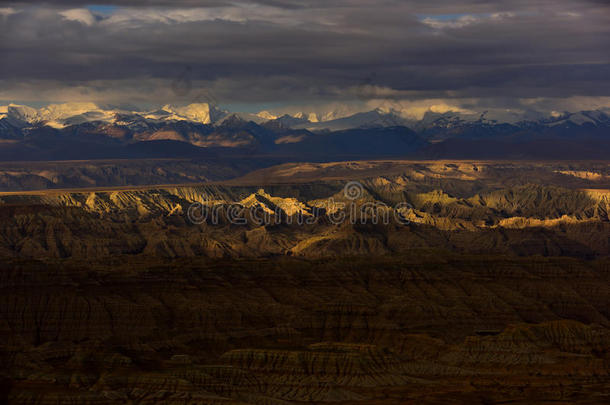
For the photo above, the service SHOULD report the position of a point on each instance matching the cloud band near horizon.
(503, 54)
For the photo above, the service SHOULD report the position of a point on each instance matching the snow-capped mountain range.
(63, 115)
(87, 130)
(68, 114)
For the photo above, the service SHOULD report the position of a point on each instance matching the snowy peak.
(198, 112)
(266, 115)
(54, 112)
(304, 116)
(295, 118)
(595, 117)
(62, 115)
(22, 113)
(370, 119)
(312, 117)
(55, 115)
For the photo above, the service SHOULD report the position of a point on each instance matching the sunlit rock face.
(465, 206)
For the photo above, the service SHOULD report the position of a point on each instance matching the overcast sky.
(539, 54)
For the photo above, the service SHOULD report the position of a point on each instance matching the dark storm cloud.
(294, 51)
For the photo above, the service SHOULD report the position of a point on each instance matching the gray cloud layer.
(305, 51)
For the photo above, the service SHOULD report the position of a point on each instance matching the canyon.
(357, 282)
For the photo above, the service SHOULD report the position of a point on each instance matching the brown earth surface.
(491, 286)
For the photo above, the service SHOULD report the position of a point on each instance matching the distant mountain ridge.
(62, 131)
(62, 115)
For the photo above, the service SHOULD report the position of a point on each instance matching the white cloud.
(6, 11)
(239, 13)
(502, 15)
(574, 103)
(460, 22)
(81, 15)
